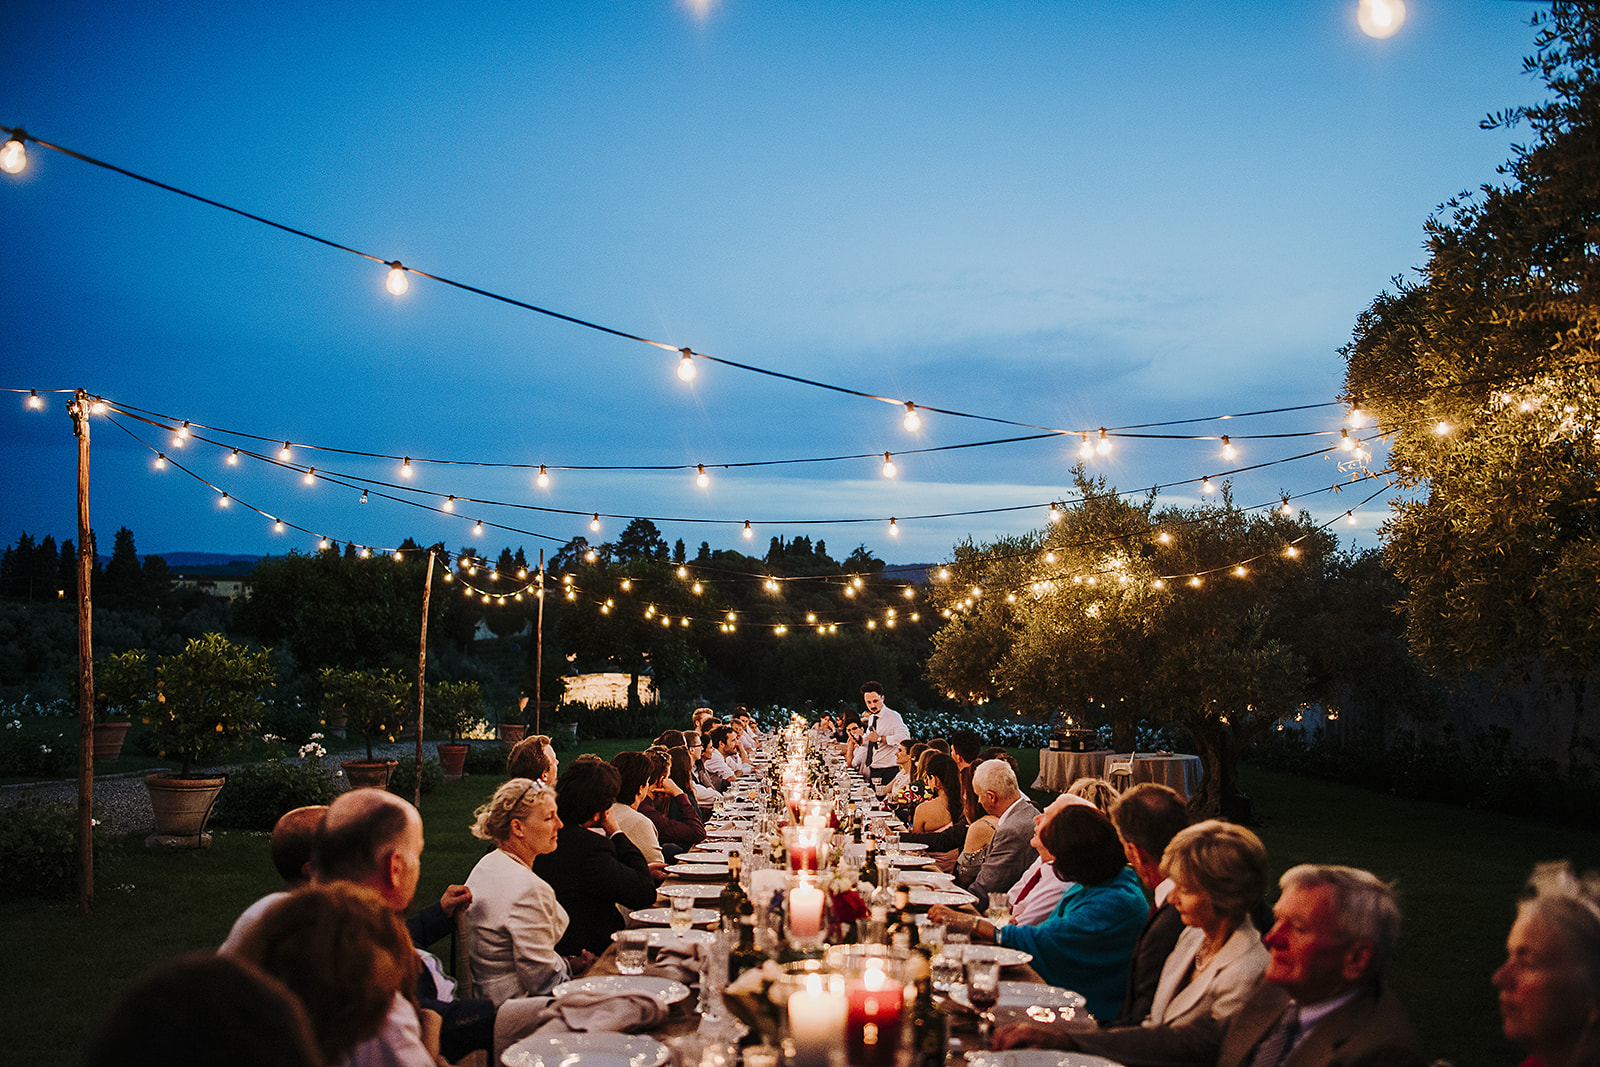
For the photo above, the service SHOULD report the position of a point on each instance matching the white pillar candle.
(805, 910)
(816, 1022)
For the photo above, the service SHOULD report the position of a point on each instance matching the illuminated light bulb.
(695, 588)
(976, 591)
(1049, 557)
(1195, 581)
(945, 612)
(572, 594)
(518, 598)
(1085, 450)
(1206, 486)
(522, 572)
(665, 621)
(1526, 405)
(323, 544)
(405, 468)
(472, 572)
(591, 556)
(894, 528)
(910, 593)
(543, 480)
(1105, 442)
(731, 616)
(1228, 451)
(1286, 509)
(916, 617)
(684, 621)
(856, 581)
(1055, 514)
(397, 282)
(233, 458)
(477, 527)
(1239, 571)
(366, 553)
(284, 453)
(701, 478)
(161, 461)
(594, 523)
(223, 501)
(912, 422)
(833, 627)
(311, 477)
(449, 503)
(363, 496)
(35, 401)
(748, 533)
(1442, 428)
(398, 558)
(888, 466)
(1350, 517)
(944, 574)
(822, 629)
(14, 155)
(1158, 584)
(97, 406)
(1164, 537)
(1381, 18)
(1011, 598)
(849, 590)
(872, 624)
(686, 367)
(1357, 417)
(780, 630)
(627, 584)
(811, 616)
(1291, 552)
(1346, 442)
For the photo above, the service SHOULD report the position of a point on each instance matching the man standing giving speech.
(884, 731)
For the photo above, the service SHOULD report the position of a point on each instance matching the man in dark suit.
(595, 868)
(1147, 818)
(1321, 1002)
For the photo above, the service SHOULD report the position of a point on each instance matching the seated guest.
(595, 868)
(825, 729)
(533, 757)
(206, 1011)
(342, 950)
(720, 745)
(515, 920)
(672, 739)
(1148, 816)
(904, 788)
(704, 795)
(633, 774)
(939, 744)
(1034, 897)
(975, 837)
(293, 836)
(855, 749)
(1321, 1002)
(1008, 853)
(1550, 983)
(667, 804)
(944, 780)
(1097, 791)
(945, 846)
(1219, 873)
(1086, 942)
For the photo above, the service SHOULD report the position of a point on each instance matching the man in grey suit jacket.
(1321, 1002)
(1011, 849)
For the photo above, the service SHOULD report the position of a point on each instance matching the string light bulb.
(1286, 509)
(397, 282)
(591, 556)
(363, 496)
(1105, 442)
(686, 367)
(894, 527)
(277, 526)
(477, 528)
(888, 466)
(223, 501)
(1206, 486)
(97, 406)
(1055, 514)
(1380, 18)
(1228, 451)
(323, 544)
(14, 154)
(161, 461)
(1442, 428)
(35, 401)
(405, 468)
(1357, 417)
(543, 480)
(284, 453)
(748, 532)
(912, 422)
(1346, 442)
(701, 478)
(233, 458)
(594, 523)
(1350, 517)
(311, 477)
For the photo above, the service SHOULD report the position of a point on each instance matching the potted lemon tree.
(453, 708)
(373, 703)
(205, 700)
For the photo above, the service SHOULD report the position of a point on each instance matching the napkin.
(622, 1013)
(681, 963)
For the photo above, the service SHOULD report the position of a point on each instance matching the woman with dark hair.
(634, 770)
(944, 780)
(595, 868)
(1087, 941)
(666, 803)
(670, 739)
(514, 920)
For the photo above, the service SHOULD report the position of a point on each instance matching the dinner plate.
(699, 870)
(903, 859)
(697, 890)
(927, 879)
(927, 898)
(661, 936)
(663, 916)
(1007, 957)
(718, 860)
(912, 846)
(1037, 1057)
(599, 1049)
(735, 832)
(1025, 995)
(663, 989)
(722, 846)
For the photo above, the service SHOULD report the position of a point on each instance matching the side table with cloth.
(1179, 771)
(1058, 770)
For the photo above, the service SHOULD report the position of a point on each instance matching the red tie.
(1031, 883)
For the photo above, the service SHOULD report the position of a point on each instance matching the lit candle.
(805, 910)
(816, 1022)
(872, 1025)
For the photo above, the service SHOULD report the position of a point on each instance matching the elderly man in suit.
(1321, 1003)
(1011, 848)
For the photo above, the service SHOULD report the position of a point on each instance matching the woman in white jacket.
(1219, 873)
(514, 920)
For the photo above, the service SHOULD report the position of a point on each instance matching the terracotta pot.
(453, 758)
(108, 738)
(181, 807)
(512, 732)
(369, 772)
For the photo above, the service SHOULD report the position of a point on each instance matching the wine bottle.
(733, 901)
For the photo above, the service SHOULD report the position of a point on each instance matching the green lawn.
(1458, 872)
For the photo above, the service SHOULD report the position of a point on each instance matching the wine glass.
(999, 911)
(983, 992)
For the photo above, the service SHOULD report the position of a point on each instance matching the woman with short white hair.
(1550, 983)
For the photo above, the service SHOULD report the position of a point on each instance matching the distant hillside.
(910, 572)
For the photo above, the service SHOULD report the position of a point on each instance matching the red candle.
(803, 857)
(872, 1019)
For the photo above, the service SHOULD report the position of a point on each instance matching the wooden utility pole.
(538, 655)
(79, 410)
(422, 679)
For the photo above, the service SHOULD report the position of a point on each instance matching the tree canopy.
(1484, 374)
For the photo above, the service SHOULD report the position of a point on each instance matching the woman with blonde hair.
(1097, 791)
(514, 920)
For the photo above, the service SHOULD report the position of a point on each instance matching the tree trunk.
(634, 704)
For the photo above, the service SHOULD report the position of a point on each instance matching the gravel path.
(123, 803)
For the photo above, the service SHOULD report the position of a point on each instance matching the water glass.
(633, 951)
(682, 917)
(999, 911)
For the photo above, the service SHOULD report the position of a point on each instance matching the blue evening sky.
(1070, 214)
